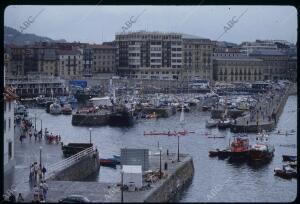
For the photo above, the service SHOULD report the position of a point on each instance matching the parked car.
(74, 199)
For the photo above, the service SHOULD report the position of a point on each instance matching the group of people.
(50, 138)
(9, 196)
(27, 130)
(40, 192)
(37, 172)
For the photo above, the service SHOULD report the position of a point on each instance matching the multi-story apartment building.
(198, 54)
(237, 69)
(48, 62)
(104, 59)
(8, 129)
(149, 55)
(70, 63)
(7, 66)
(17, 60)
(276, 63)
(87, 61)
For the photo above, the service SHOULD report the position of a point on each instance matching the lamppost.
(90, 129)
(159, 162)
(122, 187)
(41, 155)
(178, 148)
(35, 121)
(42, 127)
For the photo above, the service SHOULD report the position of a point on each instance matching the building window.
(9, 106)
(9, 121)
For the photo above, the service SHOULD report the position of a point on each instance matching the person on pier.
(20, 198)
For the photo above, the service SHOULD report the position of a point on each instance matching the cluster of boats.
(240, 148)
(59, 105)
(289, 169)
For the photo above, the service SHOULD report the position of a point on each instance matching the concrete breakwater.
(90, 119)
(273, 108)
(174, 184)
(160, 112)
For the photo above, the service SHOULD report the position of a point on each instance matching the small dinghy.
(289, 158)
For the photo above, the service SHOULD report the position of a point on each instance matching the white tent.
(132, 174)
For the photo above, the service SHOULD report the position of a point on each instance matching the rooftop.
(237, 58)
(267, 52)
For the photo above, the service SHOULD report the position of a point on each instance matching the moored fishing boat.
(223, 124)
(262, 150)
(289, 158)
(211, 123)
(66, 109)
(55, 109)
(110, 162)
(286, 172)
(239, 148)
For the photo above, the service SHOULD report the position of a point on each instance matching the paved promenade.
(26, 153)
(265, 111)
(108, 192)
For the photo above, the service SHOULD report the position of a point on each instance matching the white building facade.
(8, 129)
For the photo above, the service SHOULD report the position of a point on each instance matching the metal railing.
(63, 164)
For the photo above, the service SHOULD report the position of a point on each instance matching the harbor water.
(215, 180)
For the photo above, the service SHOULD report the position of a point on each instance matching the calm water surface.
(231, 182)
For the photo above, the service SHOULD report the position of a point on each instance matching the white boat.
(211, 123)
(224, 123)
(262, 149)
(55, 108)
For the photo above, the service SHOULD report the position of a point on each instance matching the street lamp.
(178, 148)
(160, 162)
(35, 121)
(90, 129)
(122, 187)
(41, 155)
(42, 127)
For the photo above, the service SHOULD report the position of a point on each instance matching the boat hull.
(289, 158)
(257, 155)
(122, 119)
(238, 155)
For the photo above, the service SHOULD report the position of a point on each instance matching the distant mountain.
(11, 35)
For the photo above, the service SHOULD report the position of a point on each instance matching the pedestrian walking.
(36, 193)
(45, 189)
(44, 170)
(35, 170)
(41, 192)
(21, 138)
(20, 198)
(12, 197)
(31, 174)
(35, 137)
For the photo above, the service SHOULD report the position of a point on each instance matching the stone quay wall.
(174, 184)
(80, 170)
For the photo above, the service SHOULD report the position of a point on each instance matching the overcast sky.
(94, 24)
